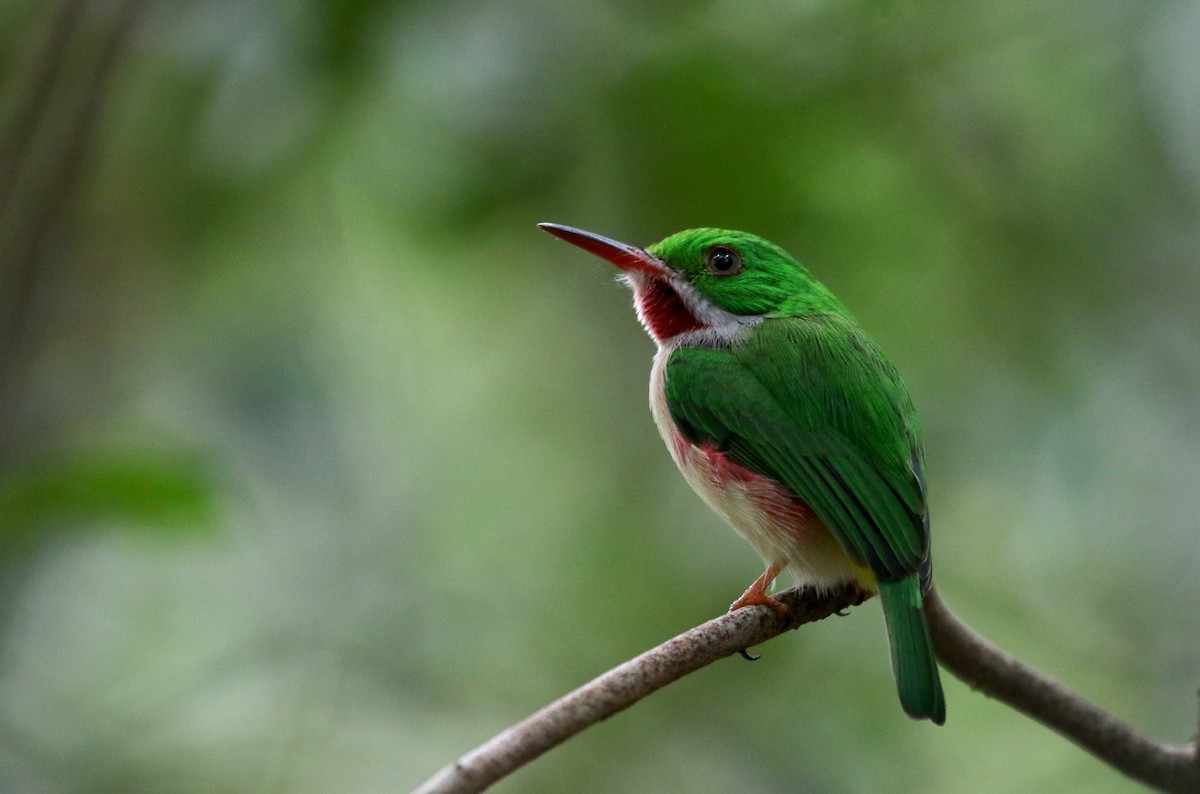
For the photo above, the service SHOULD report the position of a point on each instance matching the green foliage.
(301, 236)
(162, 492)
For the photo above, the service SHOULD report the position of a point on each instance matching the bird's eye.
(723, 261)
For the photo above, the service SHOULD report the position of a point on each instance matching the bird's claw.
(760, 599)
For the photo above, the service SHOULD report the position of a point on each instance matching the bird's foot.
(756, 594)
(756, 598)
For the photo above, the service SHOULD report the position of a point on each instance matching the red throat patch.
(662, 310)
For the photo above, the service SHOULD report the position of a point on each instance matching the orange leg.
(756, 594)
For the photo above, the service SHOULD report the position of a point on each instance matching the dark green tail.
(912, 650)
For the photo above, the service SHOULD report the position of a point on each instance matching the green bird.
(790, 423)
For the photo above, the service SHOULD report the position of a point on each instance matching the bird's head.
(713, 282)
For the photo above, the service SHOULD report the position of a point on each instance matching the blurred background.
(320, 464)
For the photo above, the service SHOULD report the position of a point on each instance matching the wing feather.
(835, 428)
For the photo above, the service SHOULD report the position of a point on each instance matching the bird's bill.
(627, 257)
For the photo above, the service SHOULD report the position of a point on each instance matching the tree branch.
(978, 663)
(628, 683)
(989, 670)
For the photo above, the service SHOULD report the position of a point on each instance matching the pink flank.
(779, 511)
(771, 518)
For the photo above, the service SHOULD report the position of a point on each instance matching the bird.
(791, 424)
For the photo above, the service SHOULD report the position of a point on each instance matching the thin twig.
(628, 683)
(15, 145)
(43, 158)
(33, 206)
(986, 668)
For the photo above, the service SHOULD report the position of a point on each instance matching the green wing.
(814, 404)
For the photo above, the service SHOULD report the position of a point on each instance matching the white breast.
(776, 523)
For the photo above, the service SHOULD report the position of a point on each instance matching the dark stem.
(15, 147)
(36, 192)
